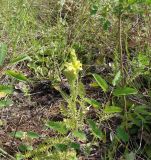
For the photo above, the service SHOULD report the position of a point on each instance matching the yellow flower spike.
(73, 68)
(78, 65)
(72, 52)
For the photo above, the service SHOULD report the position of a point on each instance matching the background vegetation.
(96, 55)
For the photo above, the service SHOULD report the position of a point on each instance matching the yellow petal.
(2, 94)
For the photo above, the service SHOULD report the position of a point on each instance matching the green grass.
(112, 41)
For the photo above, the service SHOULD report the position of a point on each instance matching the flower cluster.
(75, 65)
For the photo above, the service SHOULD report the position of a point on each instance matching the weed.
(65, 41)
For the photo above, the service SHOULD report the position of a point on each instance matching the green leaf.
(6, 89)
(4, 103)
(74, 145)
(23, 148)
(16, 75)
(95, 130)
(79, 134)
(32, 135)
(148, 2)
(94, 9)
(19, 156)
(142, 109)
(3, 53)
(18, 134)
(122, 134)
(93, 102)
(131, 2)
(112, 109)
(124, 91)
(116, 78)
(101, 82)
(61, 147)
(106, 25)
(57, 126)
(20, 58)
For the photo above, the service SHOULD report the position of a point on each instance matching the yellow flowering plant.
(74, 116)
(73, 67)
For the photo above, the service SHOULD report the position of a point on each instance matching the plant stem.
(122, 67)
(121, 48)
